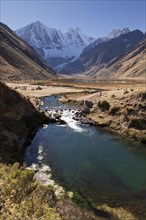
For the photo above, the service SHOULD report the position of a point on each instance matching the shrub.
(103, 105)
(125, 92)
(113, 96)
(138, 123)
(23, 198)
(78, 199)
(114, 110)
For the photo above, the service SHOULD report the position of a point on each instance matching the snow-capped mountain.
(113, 34)
(53, 45)
(117, 32)
(58, 48)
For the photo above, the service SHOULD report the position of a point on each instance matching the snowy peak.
(77, 37)
(39, 35)
(53, 44)
(118, 32)
(114, 33)
(59, 48)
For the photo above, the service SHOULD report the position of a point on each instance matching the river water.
(104, 168)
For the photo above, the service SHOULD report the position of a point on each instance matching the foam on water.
(40, 153)
(67, 116)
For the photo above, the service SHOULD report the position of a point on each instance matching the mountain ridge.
(105, 54)
(19, 60)
(52, 43)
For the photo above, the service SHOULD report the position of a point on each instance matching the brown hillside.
(18, 60)
(18, 117)
(132, 65)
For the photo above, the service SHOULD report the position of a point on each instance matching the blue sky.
(95, 18)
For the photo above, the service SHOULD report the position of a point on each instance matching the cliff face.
(18, 117)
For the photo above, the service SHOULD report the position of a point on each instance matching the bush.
(113, 96)
(103, 105)
(125, 92)
(114, 110)
(78, 199)
(138, 123)
(23, 198)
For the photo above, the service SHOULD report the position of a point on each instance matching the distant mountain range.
(114, 33)
(119, 54)
(98, 59)
(18, 60)
(53, 45)
(57, 48)
(73, 52)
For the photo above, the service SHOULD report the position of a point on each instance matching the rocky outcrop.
(126, 116)
(18, 117)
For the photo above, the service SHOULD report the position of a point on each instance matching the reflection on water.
(102, 167)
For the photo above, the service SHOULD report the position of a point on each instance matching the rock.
(103, 124)
(81, 102)
(38, 88)
(62, 122)
(92, 123)
(43, 178)
(53, 120)
(84, 121)
(57, 116)
(142, 96)
(85, 111)
(88, 104)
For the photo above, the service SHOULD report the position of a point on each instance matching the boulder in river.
(56, 116)
(62, 122)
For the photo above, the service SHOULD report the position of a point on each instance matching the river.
(103, 167)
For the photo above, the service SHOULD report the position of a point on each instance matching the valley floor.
(117, 107)
(126, 100)
(127, 103)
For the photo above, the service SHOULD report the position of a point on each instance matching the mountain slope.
(53, 45)
(114, 33)
(133, 64)
(95, 60)
(18, 60)
(18, 117)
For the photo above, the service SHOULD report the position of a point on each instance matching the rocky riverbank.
(18, 118)
(120, 111)
(24, 194)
